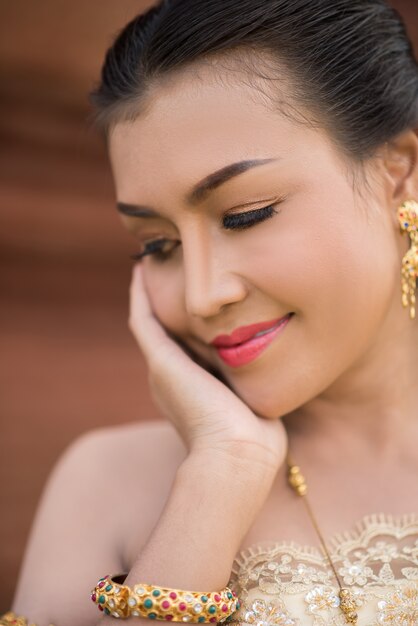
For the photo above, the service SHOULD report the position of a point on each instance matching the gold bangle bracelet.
(17, 620)
(161, 603)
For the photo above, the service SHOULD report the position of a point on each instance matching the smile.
(244, 352)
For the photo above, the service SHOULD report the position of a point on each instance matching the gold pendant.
(348, 606)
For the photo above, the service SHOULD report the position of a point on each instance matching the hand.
(208, 415)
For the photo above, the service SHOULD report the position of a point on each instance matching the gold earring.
(408, 221)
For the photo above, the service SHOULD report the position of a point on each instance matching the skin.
(341, 378)
(332, 254)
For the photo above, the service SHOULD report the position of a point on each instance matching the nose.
(210, 284)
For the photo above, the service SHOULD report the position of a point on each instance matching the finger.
(142, 321)
(156, 344)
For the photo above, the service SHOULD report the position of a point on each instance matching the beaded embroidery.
(284, 583)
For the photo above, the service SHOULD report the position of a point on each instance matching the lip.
(242, 346)
(243, 333)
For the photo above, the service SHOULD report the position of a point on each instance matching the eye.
(159, 248)
(248, 218)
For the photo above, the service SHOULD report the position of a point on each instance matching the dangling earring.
(408, 220)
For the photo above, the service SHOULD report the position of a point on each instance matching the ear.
(400, 161)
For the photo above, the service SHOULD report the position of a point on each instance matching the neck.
(369, 412)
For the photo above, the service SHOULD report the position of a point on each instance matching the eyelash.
(234, 221)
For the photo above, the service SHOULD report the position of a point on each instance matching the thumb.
(157, 345)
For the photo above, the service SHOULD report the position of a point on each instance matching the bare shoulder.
(121, 457)
(101, 500)
(138, 463)
(135, 449)
(126, 452)
(134, 465)
(151, 454)
(148, 436)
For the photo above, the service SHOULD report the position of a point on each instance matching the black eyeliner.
(234, 221)
(239, 221)
(153, 247)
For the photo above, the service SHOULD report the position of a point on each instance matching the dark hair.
(350, 62)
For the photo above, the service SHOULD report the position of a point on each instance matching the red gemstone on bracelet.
(100, 607)
(212, 619)
(224, 608)
(182, 606)
(102, 584)
(234, 594)
(93, 597)
(173, 595)
(169, 617)
(165, 604)
(217, 598)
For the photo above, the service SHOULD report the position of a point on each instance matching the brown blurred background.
(69, 362)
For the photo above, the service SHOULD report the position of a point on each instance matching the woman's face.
(327, 254)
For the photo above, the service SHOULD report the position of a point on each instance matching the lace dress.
(286, 584)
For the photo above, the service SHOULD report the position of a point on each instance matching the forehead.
(195, 124)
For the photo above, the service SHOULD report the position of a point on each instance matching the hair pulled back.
(349, 60)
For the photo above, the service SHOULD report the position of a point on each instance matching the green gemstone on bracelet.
(148, 604)
(152, 615)
(102, 599)
(229, 594)
(201, 619)
(212, 608)
(108, 588)
(156, 592)
(204, 598)
(107, 611)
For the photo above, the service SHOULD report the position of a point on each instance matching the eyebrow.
(200, 190)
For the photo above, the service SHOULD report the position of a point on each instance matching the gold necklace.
(298, 483)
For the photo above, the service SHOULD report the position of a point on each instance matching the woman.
(266, 160)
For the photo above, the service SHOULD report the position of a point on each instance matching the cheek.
(333, 266)
(339, 276)
(302, 258)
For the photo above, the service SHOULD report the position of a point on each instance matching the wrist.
(236, 478)
(213, 502)
(235, 461)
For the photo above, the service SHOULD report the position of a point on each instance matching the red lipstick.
(245, 343)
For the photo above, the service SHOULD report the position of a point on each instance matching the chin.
(272, 400)
(267, 411)
(259, 400)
